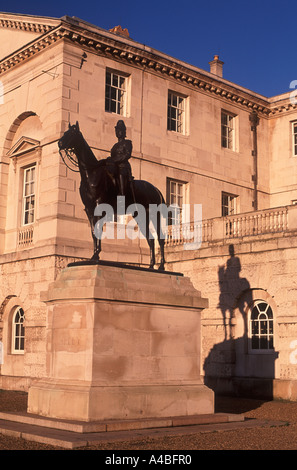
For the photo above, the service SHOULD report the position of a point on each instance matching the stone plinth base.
(122, 344)
(101, 403)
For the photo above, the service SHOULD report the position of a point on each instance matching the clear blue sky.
(255, 38)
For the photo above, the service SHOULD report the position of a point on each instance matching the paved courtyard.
(271, 425)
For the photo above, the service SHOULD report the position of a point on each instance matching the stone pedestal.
(121, 344)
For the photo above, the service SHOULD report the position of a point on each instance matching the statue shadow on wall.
(231, 287)
(229, 368)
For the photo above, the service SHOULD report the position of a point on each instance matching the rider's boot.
(122, 185)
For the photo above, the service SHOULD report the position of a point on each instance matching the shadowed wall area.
(247, 354)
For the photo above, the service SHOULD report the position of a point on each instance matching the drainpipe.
(254, 120)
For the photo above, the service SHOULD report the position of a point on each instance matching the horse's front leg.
(97, 230)
(97, 248)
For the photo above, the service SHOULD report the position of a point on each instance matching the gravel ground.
(271, 438)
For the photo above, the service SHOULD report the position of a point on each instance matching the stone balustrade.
(25, 236)
(268, 221)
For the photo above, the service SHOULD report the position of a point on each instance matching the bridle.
(69, 154)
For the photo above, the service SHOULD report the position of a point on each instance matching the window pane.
(255, 342)
(175, 113)
(227, 131)
(261, 326)
(29, 195)
(114, 80)
(263, 343)
(255, 329)
(228, 204)
(224, 119)
(175, 197)
(122, 82)
(115, 93)
(113, 106)
(18, 330)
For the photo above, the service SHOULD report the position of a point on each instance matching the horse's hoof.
(161, 267)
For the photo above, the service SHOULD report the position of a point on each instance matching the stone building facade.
(200, 139)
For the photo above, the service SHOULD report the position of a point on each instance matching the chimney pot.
(216, 66)
(120, 31)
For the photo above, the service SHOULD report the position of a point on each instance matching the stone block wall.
(23, 279)
(262, 268)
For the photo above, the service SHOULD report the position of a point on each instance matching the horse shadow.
(228, 364)
(232, 286)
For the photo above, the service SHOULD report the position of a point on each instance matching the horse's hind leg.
(150, 240)
(151, 243)
(162, 263)
(96, 235)
(161, 241)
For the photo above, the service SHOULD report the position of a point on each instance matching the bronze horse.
(99, 187)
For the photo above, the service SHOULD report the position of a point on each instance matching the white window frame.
(177, 112)
(177, 195)
(264, 318)
(18, 331)
(228, 130)
(116, 92)
(230, 205)
(294, 138)
(29, 195)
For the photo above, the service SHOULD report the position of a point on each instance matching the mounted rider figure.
(118, 162)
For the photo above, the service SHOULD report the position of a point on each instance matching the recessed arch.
(7, 306)
(15, 130)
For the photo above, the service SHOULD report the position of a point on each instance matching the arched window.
(18, 331)
(261, 327)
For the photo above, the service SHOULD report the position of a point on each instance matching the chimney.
(120, 31)
(216, 66)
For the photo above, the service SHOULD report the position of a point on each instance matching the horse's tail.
(162, 200)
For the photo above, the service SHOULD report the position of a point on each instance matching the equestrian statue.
(102, 181)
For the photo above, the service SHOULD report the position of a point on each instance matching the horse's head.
(74, 150)
(68, 140)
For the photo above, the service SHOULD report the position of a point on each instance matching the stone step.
(119, 425)
(70, 435)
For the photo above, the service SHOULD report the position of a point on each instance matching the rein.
(69, 154)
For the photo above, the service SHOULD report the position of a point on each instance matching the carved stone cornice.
(146, 58)
(276, 109)
(30, 26)
(121, 49)
(161, 64)
(30, 50)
